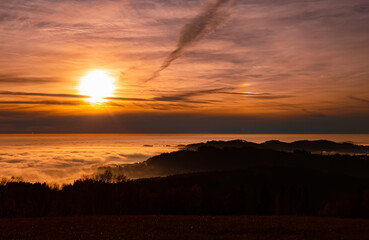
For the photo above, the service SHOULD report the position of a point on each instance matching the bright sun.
(98, 85)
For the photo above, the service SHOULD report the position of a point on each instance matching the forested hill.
(207, 157)
(319, 146)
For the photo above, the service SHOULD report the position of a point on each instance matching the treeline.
(255, 190)
(305, 145)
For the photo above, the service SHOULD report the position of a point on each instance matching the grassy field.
(183, 227)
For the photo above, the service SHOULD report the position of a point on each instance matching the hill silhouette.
(232, 155)
(319, 146)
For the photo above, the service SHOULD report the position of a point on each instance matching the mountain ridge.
(232, 155)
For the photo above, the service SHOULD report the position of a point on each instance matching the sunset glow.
(184, 66)
(98, 85)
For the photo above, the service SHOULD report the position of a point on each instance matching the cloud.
(262, 96)
(5, 78)
(43, 94)
(135, 157)
(73, 103)
(68, 163)
(360, 99)
(213, 15)
(126, 99)
(184, 96)
(12, 161)
(5, 17)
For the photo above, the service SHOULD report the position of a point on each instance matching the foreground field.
(183, 227)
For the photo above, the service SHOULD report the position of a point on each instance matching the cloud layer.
(65, 158)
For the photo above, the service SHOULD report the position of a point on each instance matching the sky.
(186, 66)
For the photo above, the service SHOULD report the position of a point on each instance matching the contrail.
(213, 15)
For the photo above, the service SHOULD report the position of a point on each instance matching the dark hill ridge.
(305, 145)
(235, 155)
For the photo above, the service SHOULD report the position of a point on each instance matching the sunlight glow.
(97, 84)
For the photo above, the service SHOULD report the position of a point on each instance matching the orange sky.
(260, 59)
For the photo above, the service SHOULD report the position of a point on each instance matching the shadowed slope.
(217, 156)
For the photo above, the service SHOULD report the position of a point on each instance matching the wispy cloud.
(126, 99)
(6, 78)
(187, 95)
(63, 95)
(72, 103)
(360, 99)
(184, 96)
(213, 15)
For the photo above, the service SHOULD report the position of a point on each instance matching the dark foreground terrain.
(183, 227)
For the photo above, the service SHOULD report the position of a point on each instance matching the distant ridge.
(304, 145)
(238, 154)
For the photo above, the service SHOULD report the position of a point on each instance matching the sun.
(98, 85)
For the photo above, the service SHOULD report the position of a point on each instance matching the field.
(183, 227)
